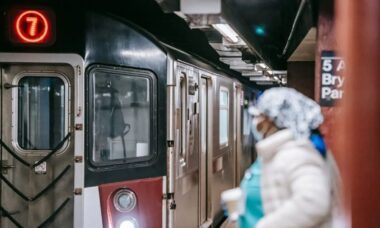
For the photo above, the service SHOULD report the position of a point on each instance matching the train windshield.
(121, 117)
(41, 112)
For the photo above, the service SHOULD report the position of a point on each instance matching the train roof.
(200, 62)
(191, 58)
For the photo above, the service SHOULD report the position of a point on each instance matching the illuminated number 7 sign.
(32, 26)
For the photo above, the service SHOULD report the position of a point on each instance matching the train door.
(204, 191)
(187, 148)
(37, 145)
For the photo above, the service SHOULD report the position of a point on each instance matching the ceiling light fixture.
(227, 32)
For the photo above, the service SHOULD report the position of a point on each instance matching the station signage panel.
(332, 80)
(32, 26)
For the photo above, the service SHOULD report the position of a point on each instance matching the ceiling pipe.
(295, 23)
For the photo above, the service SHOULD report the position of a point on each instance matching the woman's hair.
(290, 109)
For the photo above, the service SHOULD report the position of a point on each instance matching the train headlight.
(124, 200)
(128, 223)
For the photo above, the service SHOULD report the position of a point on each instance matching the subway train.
(103, 125)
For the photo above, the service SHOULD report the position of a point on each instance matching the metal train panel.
(39, 104)
(223, 155)
(187, 146)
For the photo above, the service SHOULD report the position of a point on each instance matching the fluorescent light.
(261, 66)
(252, 73)
(227, 32)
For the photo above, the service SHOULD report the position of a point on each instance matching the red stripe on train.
(148, 210)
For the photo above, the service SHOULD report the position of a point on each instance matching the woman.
(295, 186)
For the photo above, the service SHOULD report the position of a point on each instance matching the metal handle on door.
(10, 86)
(5, 166)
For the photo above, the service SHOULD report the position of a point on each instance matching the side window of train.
(42, 116)
(121, 115)
(247, 122)
(223, 116)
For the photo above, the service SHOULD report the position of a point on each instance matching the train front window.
(121, 117)
(41, 112)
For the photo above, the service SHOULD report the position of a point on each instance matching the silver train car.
(212, 146)
(113, 128)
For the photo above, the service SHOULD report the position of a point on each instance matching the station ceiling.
(273, 28)
(269, 30)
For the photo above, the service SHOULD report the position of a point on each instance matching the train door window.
(223, 116)
(247, 120)
(41, 115)
(121, 115)
(183, 114)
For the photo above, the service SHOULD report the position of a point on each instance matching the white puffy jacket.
(296, 189)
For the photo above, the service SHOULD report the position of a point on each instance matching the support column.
(326, 41)
(301, 77)
(358, 132)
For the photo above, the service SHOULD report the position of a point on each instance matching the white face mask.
(258, 135)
